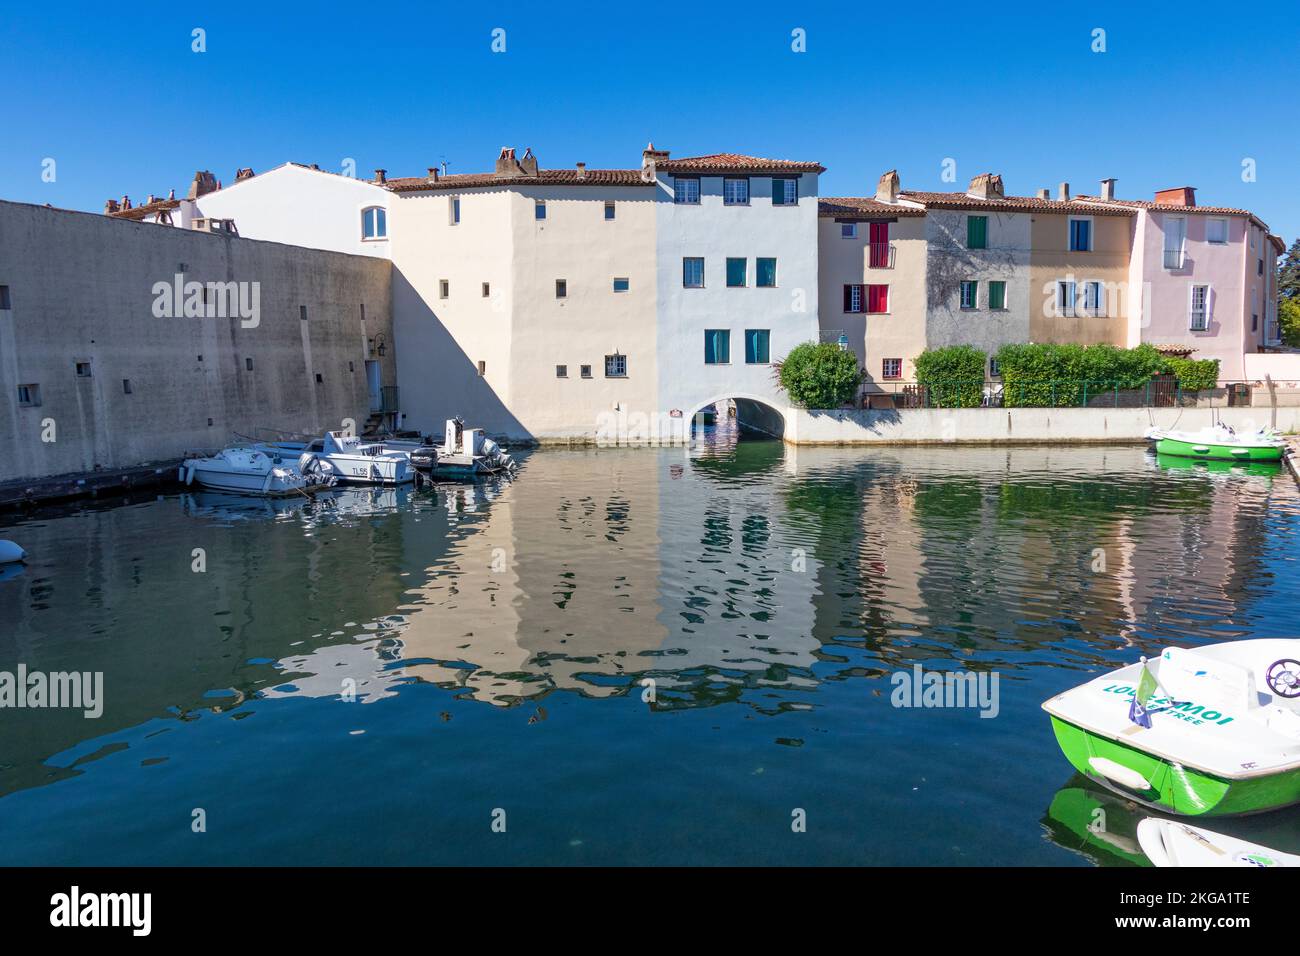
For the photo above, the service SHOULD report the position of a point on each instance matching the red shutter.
(879, 245)
(878, 298)
(848, 300)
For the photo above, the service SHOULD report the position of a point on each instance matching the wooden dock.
(94, 484)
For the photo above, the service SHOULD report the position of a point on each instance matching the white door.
(372, 382)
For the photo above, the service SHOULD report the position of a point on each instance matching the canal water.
(623, 656)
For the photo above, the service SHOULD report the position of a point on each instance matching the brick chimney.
(433, 174)
(126, 203)
(1063, 192)
(204, 182)
(529, 163)
(150, 200)
(1044, 194)
(171, 194)
(381, 175)
(986, 186)
(507, 166)
(582, 170)
(1179, 196)
(1108, 189)
(110, 207)
(887, 188)
(651, 156)
(245, 173)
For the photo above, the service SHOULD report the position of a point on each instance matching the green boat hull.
(1212, 452)
(1177, 788)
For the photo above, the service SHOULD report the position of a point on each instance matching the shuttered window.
(717, 346)
(977, 232)
(877, 298)
(997, 295)
(756, 346)
(853, 298)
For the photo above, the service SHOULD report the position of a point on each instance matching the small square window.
(83, 370)
(29, 395)
(621, 285)
(737, 270)
(616, 366)
(585, 371)
(248, 363)
(320, 379)
(693, 272)
(1216, 231)
(561, 288)
(891, 368)
(352, 367)
(487, 290)
(126, 386)
(539, 209)
(5, 304)
(766, 277)
(735, 192)
(302, 312)
(561, 371)
(609, 211)
(848, 230)
(995, 370)
(482, 367)
(444, 288)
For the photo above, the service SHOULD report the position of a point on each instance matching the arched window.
(374, 223)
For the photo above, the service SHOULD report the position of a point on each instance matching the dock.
(93, 484)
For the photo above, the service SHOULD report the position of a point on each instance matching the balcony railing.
(1174, 258)
(1163, 391)
(880, 255)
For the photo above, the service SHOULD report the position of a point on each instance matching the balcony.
(1174, 258)
(880, 255)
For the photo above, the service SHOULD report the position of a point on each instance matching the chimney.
(1108, 189)
(381, 175)
(126, 203)
(1044, 194)
(171, 194)
(204, 182)
(433, 174)
(651, 156)
(1063, 192)
(246, 173)
(986, 186)
(582, 170)
(888, 187)
(150, 200)
(507, 166)
(316, 166)
(1179, 196)
(529, 163)
(110, 207)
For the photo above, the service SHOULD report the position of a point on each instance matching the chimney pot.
(381, 175)
(887, 188)
(1063, 192)
(433, 174)
(1108, 189)
(582, 170)
(171, 194)
(986, 186)
(529, 162)
(1178, 196)
(110, 206)
(1044, 193)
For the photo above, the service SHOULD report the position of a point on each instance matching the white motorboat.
(358, 462)
(1173, 843)
(468, 453)
(255, 470)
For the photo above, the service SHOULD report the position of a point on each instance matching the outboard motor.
(425, 456)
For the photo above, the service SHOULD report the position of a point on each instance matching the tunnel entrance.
(737, 418)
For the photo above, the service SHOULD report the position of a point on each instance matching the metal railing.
(880, 255)
(388, 399)
(1160, 392)
(1174, 258)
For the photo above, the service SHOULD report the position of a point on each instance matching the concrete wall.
(1010, 425)
(1051, 261)
(1281, 366)
(83, 290)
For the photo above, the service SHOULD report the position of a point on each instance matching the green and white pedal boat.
(1219, 443)
(1224, 735)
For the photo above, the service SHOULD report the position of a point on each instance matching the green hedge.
(953, 376)
(1194, 375)
(819, 375)
(1054, 375)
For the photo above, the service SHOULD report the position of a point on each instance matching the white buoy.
(10, 552)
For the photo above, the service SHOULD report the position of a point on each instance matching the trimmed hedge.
(953, 376)
(1054, 375)
(1194, 375)
(819, 375)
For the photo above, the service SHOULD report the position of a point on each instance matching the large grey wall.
(82, 289)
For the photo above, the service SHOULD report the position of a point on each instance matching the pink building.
(1202, 278)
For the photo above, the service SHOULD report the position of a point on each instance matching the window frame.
(725, 340)
(758, 273)
(444, 288)
(627, 284)
(561, 288)
(692, 259)
(1064, 311)
(1069, 235)
(380, 218)
(1222, 220)
(854, 290)
(728, 180)
(744, 277)
(539, 210)
(619, 360)
(453, 210)
(853, 230)
(33, 390)
(767, 346)
(1205, 307)
(884, 369)
(1002, 286)
(974, 285)
(679, 182)
(782, 180)
(610, 211)
(561, 371)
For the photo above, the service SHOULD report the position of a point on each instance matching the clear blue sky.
(1181, 96)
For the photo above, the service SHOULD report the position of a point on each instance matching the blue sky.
(1182, 95)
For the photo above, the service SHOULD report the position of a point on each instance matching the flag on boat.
(1138, 711)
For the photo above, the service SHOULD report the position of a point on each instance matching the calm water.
(498, 636)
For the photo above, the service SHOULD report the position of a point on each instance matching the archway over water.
(753, 416)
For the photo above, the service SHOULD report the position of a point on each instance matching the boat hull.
(1174, 787)
(1211, 451)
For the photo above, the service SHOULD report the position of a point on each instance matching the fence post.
(1085, 393)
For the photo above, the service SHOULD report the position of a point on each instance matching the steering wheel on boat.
(1284, 678)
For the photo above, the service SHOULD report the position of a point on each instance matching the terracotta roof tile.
(736, 163)
(852, 206)
(544, 177)
(933, 200)
(147, 209)
(1162, 207)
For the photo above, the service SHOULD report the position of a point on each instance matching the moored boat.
(352, 460)
(1173, 843)
(1211, 731)
(254, 470)
(468, 453)
(1219, 443)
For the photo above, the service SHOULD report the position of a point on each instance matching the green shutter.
(997, 295)
(977, 231)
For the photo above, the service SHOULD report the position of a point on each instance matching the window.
(686, 191)
(444, 288)
(1093, 303)
(320, 379)
(83, 370)
(877, 298)
(374, 223)
(616, 366)
(352, 366)
(482, 367)
(891, 368)
(735, 192)
(736, 272)
(766, 273)
(5, 304)
(561, 288)
(785, 192)
(1199, 320)
(756, 347)
(248, 363)
(977, 232)
(363, 312)
(693, 273)
(969, 293)
(609, 211)
(302, 313)
(487, 290)
(453, 210)
(29, 394)
(585, 371)
(561, 371)
(1065, 292)
(853, 298)
(1216, 231)
(717, 347)
(621, 285)
(998, 295)
(995, 370)
(126, 386)
(1081, 235)
(848, 230)
(539, 209)
(1260, 270)
(879, 252)
(1175, 236)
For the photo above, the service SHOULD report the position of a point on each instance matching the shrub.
(953, 376)
(819, 375)
(1194, 375)
(1053, 375)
